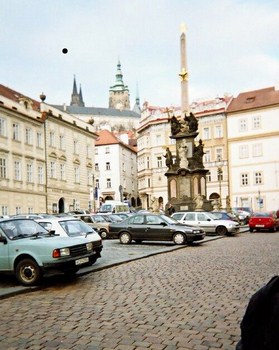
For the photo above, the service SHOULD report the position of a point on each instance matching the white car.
(207, 221)
(72, 227)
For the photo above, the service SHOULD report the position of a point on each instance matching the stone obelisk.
(184, 71)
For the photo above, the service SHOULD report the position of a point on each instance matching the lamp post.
(220, 164)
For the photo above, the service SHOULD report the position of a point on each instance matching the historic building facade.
(115, 170)
(253, 141)
(46, 157)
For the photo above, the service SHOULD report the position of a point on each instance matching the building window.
(76, 147)
(88, 151)
(208, 177)
(207, 156)
(124, 167)
(52, 139)
(107, 165)
(17, 170)
(97, 167)
(40, 175)
(159, 162)
(243, 151)
(257, 150)
(258, 178)
(206, 133)
(244, 179)
(147, 163)
(243, 125)
(107, 150)
(39, 139)
(53, 170)
(28, 136)
(76, 170)
(16, 132)
(4, 210)
(30, 210)
(3, 168)
(62, 172)
(29, 173)
(96, 151)
(256, 122)
(219, 174)
(108, 183)
(18, 210)
(3, 127)
(219, 154)
(218, 131)
(158, 140)
(62, 142)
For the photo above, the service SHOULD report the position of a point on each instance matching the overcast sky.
(232, 47)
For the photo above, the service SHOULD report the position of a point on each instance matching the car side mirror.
(163, 223)
(208, 219)
(3, 240)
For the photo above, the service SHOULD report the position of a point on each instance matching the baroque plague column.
(186, 174)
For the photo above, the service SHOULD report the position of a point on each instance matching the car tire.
(125, 238)
(103, 234)
(221, 230)
(178, 238)
(28, 272)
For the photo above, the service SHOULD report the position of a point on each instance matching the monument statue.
(169, 158)
(199, 201)
(175, 125)
(192, 122)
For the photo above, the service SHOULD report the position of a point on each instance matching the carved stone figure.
(192, 122)
(169, 158)
(175, 125)
(197, 161)
(199, 201)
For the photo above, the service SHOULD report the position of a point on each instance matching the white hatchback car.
(208, 222)
(72, 227)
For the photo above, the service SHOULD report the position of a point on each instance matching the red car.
(264, 221)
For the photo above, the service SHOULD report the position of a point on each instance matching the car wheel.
(125, 238)
(178, 238)
(221, 230)
(28, 272)
(103, 234)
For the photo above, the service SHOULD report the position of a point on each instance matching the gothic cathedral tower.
(119, 97)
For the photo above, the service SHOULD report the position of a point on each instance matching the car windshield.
(76, 227)
(22, 228)
(260, 214)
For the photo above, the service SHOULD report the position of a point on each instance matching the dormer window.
(26, 102)
(250, 99)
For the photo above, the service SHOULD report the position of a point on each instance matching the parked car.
(29, 251)
(264, 221)
(154, 227)
(97, 222)
(208, 222)
(243, 214)
(68, 226)
(111, 217)
(223, 215)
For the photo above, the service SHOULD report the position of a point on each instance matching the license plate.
(259, 225)
(82, 261)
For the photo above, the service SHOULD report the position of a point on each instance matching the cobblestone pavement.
(190, 298)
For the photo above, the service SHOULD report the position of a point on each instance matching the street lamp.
(220, 164)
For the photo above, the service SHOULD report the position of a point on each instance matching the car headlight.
(57, 253)
(89, 246)
(196, 231)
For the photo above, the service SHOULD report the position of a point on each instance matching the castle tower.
(119, 96)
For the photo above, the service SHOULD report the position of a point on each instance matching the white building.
(253, 143)
(115, 175)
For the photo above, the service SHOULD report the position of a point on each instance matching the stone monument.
(186, 173)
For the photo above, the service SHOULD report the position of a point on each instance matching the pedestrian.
(170, 209)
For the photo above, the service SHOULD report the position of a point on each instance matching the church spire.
(137, 104)
(77, 99)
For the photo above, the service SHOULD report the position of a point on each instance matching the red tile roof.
(17, 96)
(107, 137)
(254, 99)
